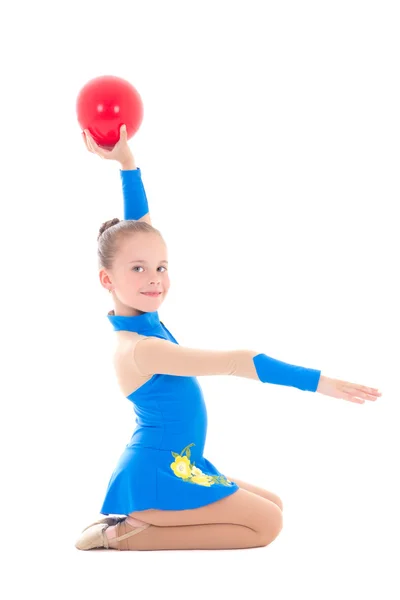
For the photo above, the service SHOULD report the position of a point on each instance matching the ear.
(105, 279)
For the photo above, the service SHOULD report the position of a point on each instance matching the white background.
(269, 151)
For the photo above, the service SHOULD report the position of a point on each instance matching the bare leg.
(243, 520)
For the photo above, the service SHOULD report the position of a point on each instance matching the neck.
(121, 310)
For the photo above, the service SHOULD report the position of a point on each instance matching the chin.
(151, 303)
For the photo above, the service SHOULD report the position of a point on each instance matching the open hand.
(354, 392)
(121, 152)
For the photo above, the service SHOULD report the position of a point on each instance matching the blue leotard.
(163, 465)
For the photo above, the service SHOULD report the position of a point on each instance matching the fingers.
(360, 393)
(109, 154)
(352, 398)
(86, 141)
(123, 135)
(367, 392)
(92, 146)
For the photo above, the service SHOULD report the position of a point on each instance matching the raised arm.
(135, 200)
(156, 356)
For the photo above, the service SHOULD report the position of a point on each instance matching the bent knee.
(276, 500)
(271, 525)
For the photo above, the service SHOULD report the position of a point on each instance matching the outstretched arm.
(156, 356)
(135, 200)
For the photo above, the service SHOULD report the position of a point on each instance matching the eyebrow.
(145, 261)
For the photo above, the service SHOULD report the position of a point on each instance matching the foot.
(92, 537)
(105, 535)
(118, 534)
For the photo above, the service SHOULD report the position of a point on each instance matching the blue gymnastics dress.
(163, 466)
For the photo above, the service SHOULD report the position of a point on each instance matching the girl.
(172, 496)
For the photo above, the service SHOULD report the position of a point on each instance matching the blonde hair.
(111, 235)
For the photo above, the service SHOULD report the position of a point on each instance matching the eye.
(140, 267)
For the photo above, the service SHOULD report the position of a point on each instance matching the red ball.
(104, 104)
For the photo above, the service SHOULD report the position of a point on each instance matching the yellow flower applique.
(181, 467)
(184, 469)
(202, 480)
(196, 471)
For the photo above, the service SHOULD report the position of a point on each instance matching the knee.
(271, 525)
(278, 502)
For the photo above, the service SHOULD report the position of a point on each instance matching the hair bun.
(107, 225)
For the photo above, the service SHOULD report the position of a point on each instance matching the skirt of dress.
(146, 478)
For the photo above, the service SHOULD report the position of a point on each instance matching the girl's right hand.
(121, 152)
(354, 392)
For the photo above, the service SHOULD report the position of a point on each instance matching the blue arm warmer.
(270, 370)
(135, 200)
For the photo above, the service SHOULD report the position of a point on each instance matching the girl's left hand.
(121, 152)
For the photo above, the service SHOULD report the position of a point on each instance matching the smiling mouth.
(152, 294)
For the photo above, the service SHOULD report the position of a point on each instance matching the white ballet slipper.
(92, 537)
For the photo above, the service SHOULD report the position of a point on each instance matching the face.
(141, 266)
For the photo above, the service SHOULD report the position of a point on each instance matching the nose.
(155, 280)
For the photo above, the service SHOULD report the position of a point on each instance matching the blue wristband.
(135, 200)
(270, 370)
